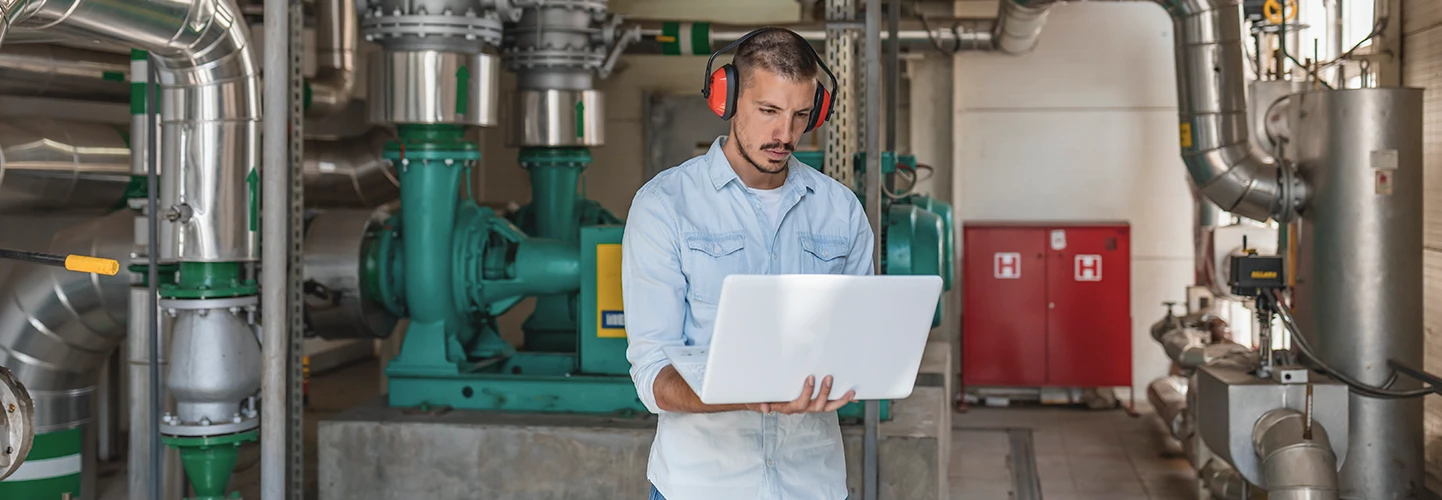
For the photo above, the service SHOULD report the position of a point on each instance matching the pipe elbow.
(1294, 464)
(1018, 25)
(1238, 181)
(330, 91)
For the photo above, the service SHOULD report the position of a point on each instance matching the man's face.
(771, 115)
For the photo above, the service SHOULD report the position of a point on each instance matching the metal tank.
(434, 66)
(1359, 269)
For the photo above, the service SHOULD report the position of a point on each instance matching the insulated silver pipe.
(58, 327)
(1019, 26)
(1212, 104)
(209, 86)
(702, 38)
(1296, 457)
(55, 165)
(333, 86)
(1222, 481)
(45, 70)
(49, 165)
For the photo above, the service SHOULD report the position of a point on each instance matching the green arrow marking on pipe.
(580, 119)
(252, 182)
(463, 83)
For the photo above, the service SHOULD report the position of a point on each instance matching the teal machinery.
(453, 266)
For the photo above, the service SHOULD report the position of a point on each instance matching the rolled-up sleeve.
(863, 244)
(654, 291)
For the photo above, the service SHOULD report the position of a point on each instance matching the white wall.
(1085, 128)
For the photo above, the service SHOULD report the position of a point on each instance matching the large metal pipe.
(210, 111)
(48, 165)
(1359, 269)
(46, 70)
(333, 86)
(1296, 457)
(1222, 481)
(53, 165)
(56, 328)
(1212, 104)
(702, 38)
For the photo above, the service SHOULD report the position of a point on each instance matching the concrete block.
(376, 452)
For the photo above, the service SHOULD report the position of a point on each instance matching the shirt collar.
(722, 173)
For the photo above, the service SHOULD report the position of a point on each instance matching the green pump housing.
(453, 267)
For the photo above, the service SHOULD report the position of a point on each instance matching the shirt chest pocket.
(823, 253)
(710, 258)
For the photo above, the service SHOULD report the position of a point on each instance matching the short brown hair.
(779, 51)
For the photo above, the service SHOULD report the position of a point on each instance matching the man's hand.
(805, 403)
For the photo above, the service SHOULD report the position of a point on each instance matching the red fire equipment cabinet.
(1046, 305)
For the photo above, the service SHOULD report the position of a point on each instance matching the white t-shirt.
(771, 202)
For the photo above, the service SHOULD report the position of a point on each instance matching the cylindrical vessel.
(431, 87)
(338, 303)
(1359, 269)
(557, 118)
(48, 165)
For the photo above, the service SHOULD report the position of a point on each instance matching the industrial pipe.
(333, 86)
(56, 328)
(55, 165)
(48, 165)
(1297, 459)
(1212, 104)
(1168, 396)
(47, 70)
(702, 38)
(1222, 481)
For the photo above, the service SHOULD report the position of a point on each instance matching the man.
(744, 207)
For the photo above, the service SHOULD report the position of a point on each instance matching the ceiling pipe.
(333, 86)
(702, 38)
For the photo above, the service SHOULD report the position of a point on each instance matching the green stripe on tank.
(139, 55)
(55, 444)
(671, 38)
(112, 76)
(701, 39)
(48, 488)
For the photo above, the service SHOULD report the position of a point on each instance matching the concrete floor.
(1080, 455)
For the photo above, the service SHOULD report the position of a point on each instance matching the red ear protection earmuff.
(726, 82)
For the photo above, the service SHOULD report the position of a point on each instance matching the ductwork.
(51, 165)
(333, 86)
(48, 165)
(1222, 481)
(1212, 104)
(1296, 457)
(209, 111)
(57, 327)
(36, 70)
(1018, 25)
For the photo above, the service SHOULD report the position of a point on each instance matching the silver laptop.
(772, 331)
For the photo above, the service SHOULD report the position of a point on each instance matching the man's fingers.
(845, 399)
(820, 403)
(804, 400)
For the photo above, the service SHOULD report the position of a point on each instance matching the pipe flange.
(586, 5)
(197, 304)
(528, 59)
(171, 425)
(17, 423)
(380, 27)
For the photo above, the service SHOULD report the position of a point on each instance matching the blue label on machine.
(613, 319)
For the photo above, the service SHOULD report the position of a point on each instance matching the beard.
(775, 167)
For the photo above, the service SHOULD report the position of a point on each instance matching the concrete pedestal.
(376, 452)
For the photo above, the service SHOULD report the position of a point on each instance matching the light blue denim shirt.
(688, 228)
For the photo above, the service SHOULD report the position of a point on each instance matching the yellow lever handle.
(97, 265)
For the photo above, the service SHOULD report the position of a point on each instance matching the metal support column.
(274, 264)
(873, 213)
(841, 133)
(295, 253)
